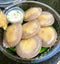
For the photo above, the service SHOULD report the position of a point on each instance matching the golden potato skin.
(46, 18)
(29, 48)
(30, 29)
(48, 36)
(13, 34)
(3, 21)
(32, 13)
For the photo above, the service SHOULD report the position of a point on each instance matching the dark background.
(54, 4)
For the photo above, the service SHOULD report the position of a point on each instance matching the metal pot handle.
(17, 1)
(14, 3)
(3, 6)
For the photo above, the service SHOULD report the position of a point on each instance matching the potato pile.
(45, 19)
(30, 37)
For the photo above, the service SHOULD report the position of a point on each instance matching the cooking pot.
(48, 54)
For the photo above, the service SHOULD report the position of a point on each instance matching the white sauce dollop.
(15, 16)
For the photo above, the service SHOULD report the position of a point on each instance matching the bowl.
(51, 51)
(5, 3)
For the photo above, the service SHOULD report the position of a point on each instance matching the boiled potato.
(30, 29)
(46, 18)
(29, 48)
(48, 36)
(3, 21)
(13, 34)
(32, 13)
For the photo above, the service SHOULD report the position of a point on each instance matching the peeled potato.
(32, 13)
(13, 34)
(29, 48)
(30, 29)
(46, 18)
(48, 36)
(3, 21)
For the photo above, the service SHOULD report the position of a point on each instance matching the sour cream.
(15, 16)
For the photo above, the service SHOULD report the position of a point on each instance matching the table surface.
(54, 4)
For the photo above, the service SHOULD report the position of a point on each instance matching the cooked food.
(58, 62)
(29, 48)
(5, 44)
(46, 18)
(15, 16)
(33, 37)
(32, 13)
(30, 29)
(3, 21)
(48, 36)
(13, 34)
